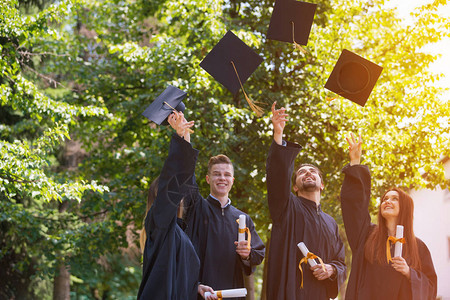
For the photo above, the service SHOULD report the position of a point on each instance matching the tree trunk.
(249, 283)
(72, 156)
(61, 283)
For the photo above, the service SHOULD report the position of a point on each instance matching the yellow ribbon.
(258, 110)
(296, 45)
(219, 295)
(388, 247)
(243, 230)
(189, 130)
(310, 255)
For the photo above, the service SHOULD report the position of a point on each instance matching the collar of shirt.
(310, 204)
(227, 204)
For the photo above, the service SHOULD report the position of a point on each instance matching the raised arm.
(176, 173)
(279, 165)
(355, 196)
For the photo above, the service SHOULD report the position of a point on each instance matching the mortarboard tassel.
(296, 45)
(331, 98)
(310, 255)
(189, 130)
(258, 110)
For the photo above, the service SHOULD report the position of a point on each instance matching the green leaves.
(84, 71)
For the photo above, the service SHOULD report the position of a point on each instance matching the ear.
(295, 188)
(322, 186)
(207, 179)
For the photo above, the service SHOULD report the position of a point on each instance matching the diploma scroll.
(228, 293)
(305, 252)
(398, 245)
(242, 226)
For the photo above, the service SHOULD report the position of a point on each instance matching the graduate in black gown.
(299, 218)
(410, 276)
(211, 225)
(171, 265)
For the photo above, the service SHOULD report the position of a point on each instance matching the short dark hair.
(219, 159)
(294, 176)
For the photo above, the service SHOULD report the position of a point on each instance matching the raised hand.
(180, 124)
(278, 121)
(354, 149)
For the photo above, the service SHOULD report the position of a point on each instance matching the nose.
(307, 172)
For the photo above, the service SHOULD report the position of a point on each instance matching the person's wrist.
(355, 162)
(333, 272)
(277, 132)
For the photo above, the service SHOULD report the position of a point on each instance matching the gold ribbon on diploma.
(189, 130)
(296, 45)
(219, 295)
(388, 247)
(310, 255)
(244, 230)
(258, 110)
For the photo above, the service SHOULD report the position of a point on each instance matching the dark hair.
(219, 159)
(294, 176)
(375, 247)
(152, 192)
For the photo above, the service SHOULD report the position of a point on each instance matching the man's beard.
(308, 186)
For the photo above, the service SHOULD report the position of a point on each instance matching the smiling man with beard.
(298, 217)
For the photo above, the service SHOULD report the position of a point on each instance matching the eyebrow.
(307, 169)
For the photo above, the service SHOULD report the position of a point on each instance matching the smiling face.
(390, 205)
(308, 179)
(220, 179)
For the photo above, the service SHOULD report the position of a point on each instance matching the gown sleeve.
(174, 181)
(338, 262)
(355, 198)
(424, 282)
(279, 168)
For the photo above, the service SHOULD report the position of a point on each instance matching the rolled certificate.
(398, 245)
(305, 251)
(228, 293)
(242, 225)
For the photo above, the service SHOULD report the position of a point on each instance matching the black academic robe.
(213, 231)
(171, 265)
(375, 281)
(296, 219)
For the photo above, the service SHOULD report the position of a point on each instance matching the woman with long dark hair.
(171, 265)
(374, 273)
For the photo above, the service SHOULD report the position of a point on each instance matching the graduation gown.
(213, 231)
(375, 281)
(296, 219)
(171, 265)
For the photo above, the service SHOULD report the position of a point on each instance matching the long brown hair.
(375, 248)
(152, 192)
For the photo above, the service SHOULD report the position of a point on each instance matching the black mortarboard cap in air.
(291, 15)
(231, 62)
(353, 77)
(164, 105)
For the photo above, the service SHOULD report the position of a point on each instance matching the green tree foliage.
(87, 70)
